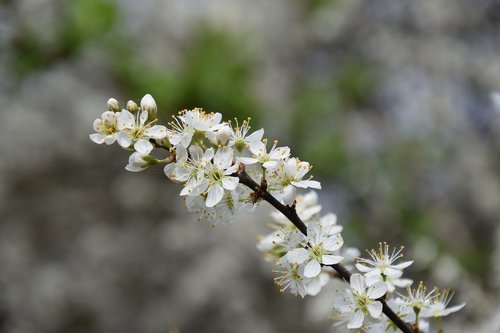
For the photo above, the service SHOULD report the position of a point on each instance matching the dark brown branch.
(291, 214)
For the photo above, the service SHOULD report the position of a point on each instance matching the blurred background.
(389, 100)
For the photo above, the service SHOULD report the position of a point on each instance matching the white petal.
(298, 255)
(143, 146)
(230, 183)
(208, 155)
(97, 137)
(186, 139)
(223, 158)
(312, 269)
(156, 132)
(143, 117)
(134, 168)
(123, 139)
(392, 272)
(270, 165)
(331, 260)
(110, 139)
(314, 287)
(370, 280)
(288, 194)
(363, 268)
(280, 153)
(214, 195)
(403, 264)
(356, 320)
(99, 126)
(452, 309)
(246, 160)
(358, 283)
(402, 283)
(373, 272)
(255, 136)
(201, 186)
(375, 309)
(307, 184)
(170, 170)
(126, 120)
(257, 148)
(333, 243)
(377, 290)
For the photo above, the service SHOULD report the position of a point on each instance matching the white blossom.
(106, 128)
(268, 160)
(418, 300)
(382, 266)
(287, 176)
(438, 306)
(319, 250)
(359, 300)
(291, 277)
(137, 132)
(217, 176)
(240, 138)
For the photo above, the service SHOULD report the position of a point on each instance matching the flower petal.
(363, 268)
(377, 290)
(358, 283)
(298, 256)
(223, 158)
(214, 195)
(255, 136)
(126, 120)
(230, 183)
(452, 309)
(97, 137)
(375, 309)
(403, 264)
(156, 132)
(288, 193)
(329, 259)
(143, 146)
(123, 139)
(312, 269)
(356, 320)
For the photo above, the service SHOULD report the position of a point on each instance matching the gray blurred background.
(388, 99)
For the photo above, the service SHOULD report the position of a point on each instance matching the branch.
(291, 214)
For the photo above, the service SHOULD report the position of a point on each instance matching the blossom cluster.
(305, 267)
(206, 155)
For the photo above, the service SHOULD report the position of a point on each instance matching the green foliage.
(87, 20)
(82, 22)
(215, 74)
(355, 83)
(315, 5)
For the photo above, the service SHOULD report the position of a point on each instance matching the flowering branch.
(220, 166)
(291, 213)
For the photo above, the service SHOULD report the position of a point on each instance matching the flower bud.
(132, 106)
(149, 104)
(113, 105)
